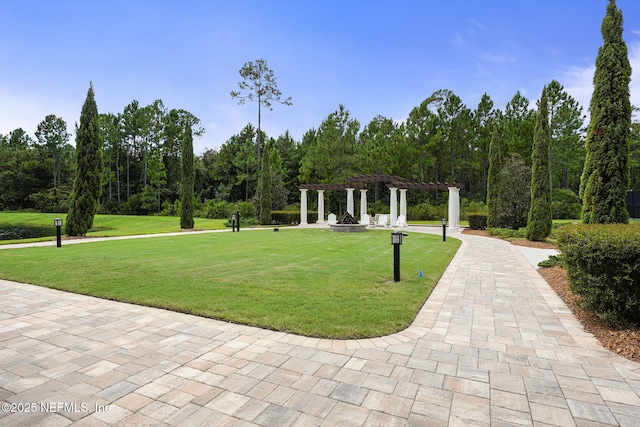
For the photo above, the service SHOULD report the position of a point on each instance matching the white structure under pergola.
(395, 184)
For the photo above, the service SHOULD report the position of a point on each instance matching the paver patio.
(493, 345)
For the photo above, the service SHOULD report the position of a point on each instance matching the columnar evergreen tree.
(539, 224)
(188, 179)
(494, 182)
(87, 186)
(265, 187)
(605, 177)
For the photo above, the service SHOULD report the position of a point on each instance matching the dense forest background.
(442, 140)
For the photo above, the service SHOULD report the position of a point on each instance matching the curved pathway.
(493, 345)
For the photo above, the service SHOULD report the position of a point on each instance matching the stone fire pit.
(348, 224)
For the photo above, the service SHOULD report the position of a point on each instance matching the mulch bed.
(624, 342)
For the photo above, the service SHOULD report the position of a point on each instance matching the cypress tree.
(494, 181)
(540, 221)
(605, 177)
(265, 187)
(188, 179)
(87, 184)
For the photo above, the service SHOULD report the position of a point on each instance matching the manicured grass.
(107, 225)
(312, 282)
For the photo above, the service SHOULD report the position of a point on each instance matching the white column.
(350, 200)
(454, 208)
(320, 207)
(303, 206)
(403, 204)
(393, 205)
(363, 203)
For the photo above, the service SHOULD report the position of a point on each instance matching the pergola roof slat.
(360, 181)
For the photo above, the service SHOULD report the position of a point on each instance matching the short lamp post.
(444, 229)
(396, 241)
(58, 223)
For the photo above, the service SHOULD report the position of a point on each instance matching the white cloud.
(578, 81)
(497, 58)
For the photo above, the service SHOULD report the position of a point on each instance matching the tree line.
(442, 140)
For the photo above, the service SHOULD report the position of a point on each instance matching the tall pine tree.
(494, 174)
(188, 179)
(605, 178)
(87, 185)
(540, 221)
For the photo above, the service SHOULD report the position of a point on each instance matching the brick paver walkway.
(493, 346)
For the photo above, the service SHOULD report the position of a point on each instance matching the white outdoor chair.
(331, 219)
(382, 221)
(365, 219)
(401, 222)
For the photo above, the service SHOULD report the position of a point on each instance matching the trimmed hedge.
(477, 220)
(603, 265)
(292, 217)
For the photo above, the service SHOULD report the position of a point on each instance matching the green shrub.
(421, 212)
(471, 207)
(379, 207)
(603, 266)
(552, 261)
(508, 233)
(244, 222)
(477, 220)
(565, 204)
(223, 209)
(292, 217)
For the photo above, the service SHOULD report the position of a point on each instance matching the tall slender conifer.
(188, 179)
(605, 177)
(494, 181)
(540, 221)
(87, 185)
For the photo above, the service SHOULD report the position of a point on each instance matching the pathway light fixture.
(58, 224)
(396, 241)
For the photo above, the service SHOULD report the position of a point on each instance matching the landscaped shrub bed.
(292, 217)
(15, 232)
(477, 220)
(603, 265)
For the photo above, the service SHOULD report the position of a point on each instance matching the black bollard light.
(396, 241)
(444, 229)
(58, 223)
(238, 219)
(233, 223)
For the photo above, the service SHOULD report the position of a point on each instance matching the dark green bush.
(421, 212)
(565, 204)
(471, 207)
(477, 220)
(292, 217)
(507, 233)
(603, 265)
(552, 261)
(244, 222)
(20, 231)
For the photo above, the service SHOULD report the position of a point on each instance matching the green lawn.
(312, 282)
(106, 225)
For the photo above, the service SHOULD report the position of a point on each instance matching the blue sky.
(374, 57)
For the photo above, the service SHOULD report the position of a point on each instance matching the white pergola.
(394, 184)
